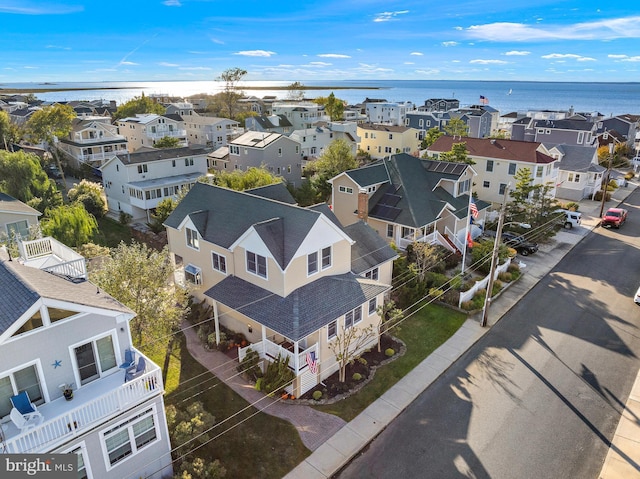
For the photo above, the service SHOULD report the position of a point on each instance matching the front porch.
(94, 403)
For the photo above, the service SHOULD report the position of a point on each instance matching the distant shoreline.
(14, 91)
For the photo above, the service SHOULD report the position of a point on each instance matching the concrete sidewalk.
(338, 450)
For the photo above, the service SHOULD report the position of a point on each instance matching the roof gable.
(514, 150)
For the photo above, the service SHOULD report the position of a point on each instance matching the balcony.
(269, 350)
(171, 133)
(48, 254)
(92, 404)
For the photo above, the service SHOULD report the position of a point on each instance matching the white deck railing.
(269, 350)
(481, 284)
(79, 420)
(48, 254)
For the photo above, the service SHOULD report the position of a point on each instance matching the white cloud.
(488, 62)
(625, 27)
(386, 16)
(571, 56)
(29, 67)
(450, 44)
(617, 56)
(417, 54)
(128, 63)
(255, 53)
(333, 55)
(517, 53)
(165, 64)
(409, 63)
(625, 58)
(172, 3)
(46, 9)
(219, 42)
(586, 59)
(56, 47)
(431, 71)
(320, 64)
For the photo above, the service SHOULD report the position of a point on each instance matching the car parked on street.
(519, 243)
(53, 171)
(614, 217)
(636, 298)
(568, 218)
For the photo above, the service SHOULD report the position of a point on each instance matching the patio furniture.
(133, 373)
(23, 404)
(25, 422)
(129, 359)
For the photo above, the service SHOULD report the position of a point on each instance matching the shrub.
(436, 293)
(277, 376)
(317, 395)
(467, 305)
(258, 385)
(436, 280)
(389, 352)
(125, 218)
(629, 175)
(357, 376)
(250, 365)
(598, 196)
(505, 277)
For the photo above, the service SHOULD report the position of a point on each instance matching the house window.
(580, 138)
(25, 379)
(345, 189)
(279, 151)
(130, 436)
(257, 264)
(489, 165)
(312, 263)
(353, 317)
(192, 238)
(142, 168)
(407, 232)
(173, 163)
(539, 171)
(331, 330)
(420, 122)
(219, 262)
(486, 184)
(94, 357)
(18, 229)
(391, 136)
(372, 274)
(389, 231)
(502, 189)
(188, 162)
(234, 149)
(83, 471)
(512, 168)
(326, 257)
(193, 274)
(373, 305)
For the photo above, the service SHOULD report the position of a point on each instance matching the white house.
(387, 113)
(136, 182)
(205, 130)
(92, 141)
(16, 218)
(313, 141)
(146, 129)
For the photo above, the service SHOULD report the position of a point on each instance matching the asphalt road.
(540, 396)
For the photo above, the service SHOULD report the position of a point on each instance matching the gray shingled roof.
(22, 286)
(156, 154)
(369, 250)
(305, 310)
(277, 191)
(579, 125)
(577, 158)
(10, 204)
(224, 215)
(370, 175)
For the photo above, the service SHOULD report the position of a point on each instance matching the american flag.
(484, 100)
(311, 361)
(474, 209)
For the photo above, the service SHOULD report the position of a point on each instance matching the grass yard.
(111, 232)
(248, 447)
(422, 332)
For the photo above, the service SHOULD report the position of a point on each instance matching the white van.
(571, 218)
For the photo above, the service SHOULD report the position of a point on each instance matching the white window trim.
(321, 258)
(92, 340)
(103, 436)
(85, 456)
(330, 337)
(197, 274)
(375, 302)
(317, 261)
(266, 265)
(345, 189)
(39, 372)
(219, 256)
(197, 239)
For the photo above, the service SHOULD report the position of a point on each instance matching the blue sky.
(141, 40)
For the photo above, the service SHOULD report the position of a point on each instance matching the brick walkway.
(314, 427)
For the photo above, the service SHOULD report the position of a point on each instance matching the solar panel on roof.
(385, 212)
(389, 199)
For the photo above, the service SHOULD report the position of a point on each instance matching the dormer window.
(256, 264)
(192, 238)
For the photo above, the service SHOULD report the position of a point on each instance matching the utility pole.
(605, 185)
(494, 258)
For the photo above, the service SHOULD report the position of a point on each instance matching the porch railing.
(65, 261)
(79, 420)
(269, 350)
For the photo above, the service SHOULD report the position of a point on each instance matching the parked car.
(636, 298)
(519, 243)
(614, 217)
(53, 171)
(569, 218)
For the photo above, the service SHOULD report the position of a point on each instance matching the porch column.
(216, 321)
(296, 359)
(263, 330)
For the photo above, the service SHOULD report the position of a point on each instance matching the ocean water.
(506, 96)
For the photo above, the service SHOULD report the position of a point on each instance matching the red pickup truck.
(614, 217)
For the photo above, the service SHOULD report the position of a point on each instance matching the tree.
(335, 159)
(334, 107)
(241, 117)
(139, 277)
(244, 180)
(167, 142)
(456, 127)
(347, 344)
(389, 317)
(425, 257)
(163, 210)
(51, 122)
(430, 137)
(199, 469)
(457, 154)
(230, 95)
(295, 91)
(70, 224)
(9, 132)
(138, 105)
(22, 177)
(90, 195)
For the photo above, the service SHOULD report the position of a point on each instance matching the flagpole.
(466, 232)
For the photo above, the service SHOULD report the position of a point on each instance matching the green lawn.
(422, 332)
(261, 446)
(111, 232)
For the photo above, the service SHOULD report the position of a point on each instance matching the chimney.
(363, 205)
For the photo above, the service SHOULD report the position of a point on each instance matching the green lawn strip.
(262, 446)
(423, 333)
(111, 232)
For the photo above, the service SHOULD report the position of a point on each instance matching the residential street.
(542, 393)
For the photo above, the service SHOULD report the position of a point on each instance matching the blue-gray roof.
(369, 250)
(302, 312)
(222, 215)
